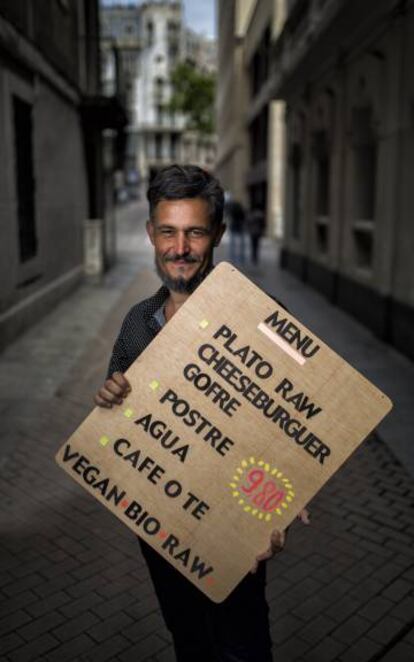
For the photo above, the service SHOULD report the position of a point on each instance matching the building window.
(173, 28)
(174, 146)
(173, 36)
(363, 247)
(365, 175)
(24, 178)
(159, 90)
(149, 146)
(160, 115)
(158, 145)
(365, 157)
(322, 192)
(258, 137)
(260, 63)
(150, 33)
(321, 154)
(322, 235)
(173, 53)
(295, 159)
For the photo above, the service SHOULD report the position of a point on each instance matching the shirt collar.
(153, 304)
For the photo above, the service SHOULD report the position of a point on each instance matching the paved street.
(73, 585)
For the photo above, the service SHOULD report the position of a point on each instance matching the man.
(235, 217)
(255, 228)
(185, 225)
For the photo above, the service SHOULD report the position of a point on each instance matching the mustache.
(187, 257)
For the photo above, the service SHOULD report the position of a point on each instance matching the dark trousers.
(236, 630)
(255, 247)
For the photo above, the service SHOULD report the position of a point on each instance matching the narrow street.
(73, 585)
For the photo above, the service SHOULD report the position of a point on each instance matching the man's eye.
(166, 232)
(197, 233)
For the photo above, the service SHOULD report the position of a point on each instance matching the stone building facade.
(250, 119)
(344, 155)
(345, 72)
(150, 39)
(232, 95)
(51, 175)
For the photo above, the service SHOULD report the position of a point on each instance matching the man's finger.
(111, 386)
(110, 397)
(253, 570)
(101, 402)
(277, 541)
(304, 516)
(265, 556)
(122, 381)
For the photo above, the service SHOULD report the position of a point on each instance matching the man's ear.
(150, 230)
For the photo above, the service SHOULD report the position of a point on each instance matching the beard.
(181, 284)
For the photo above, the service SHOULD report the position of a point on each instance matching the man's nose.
(182, 245)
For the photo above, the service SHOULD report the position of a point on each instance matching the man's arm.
(116, 386)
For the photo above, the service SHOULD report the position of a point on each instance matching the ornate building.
(149, 39)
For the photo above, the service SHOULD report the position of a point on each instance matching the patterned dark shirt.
(138, 329)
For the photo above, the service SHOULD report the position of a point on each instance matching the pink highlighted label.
(282, 344)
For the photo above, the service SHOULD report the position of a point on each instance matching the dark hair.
(176, 182)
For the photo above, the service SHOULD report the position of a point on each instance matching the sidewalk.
(73, 584)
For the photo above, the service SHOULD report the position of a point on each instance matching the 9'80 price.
(264, 494)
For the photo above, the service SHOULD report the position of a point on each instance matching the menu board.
(237, 416)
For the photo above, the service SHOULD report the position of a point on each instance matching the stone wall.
(51, 169)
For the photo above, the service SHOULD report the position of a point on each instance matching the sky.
(199, 14)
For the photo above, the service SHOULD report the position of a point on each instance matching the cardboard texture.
(238, 415)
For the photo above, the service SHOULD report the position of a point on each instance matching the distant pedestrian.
(236, 217)
(255, 228)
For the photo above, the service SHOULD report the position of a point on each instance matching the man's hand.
(277, 541)
(304, 516)
(114, 390)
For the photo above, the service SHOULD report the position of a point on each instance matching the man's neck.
(174, 302)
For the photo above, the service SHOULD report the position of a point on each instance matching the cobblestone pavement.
(73, 585)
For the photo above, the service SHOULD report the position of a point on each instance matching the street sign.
(238, 415)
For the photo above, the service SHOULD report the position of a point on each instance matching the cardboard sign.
(238, 415)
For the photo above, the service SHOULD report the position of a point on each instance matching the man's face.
(183, 241)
